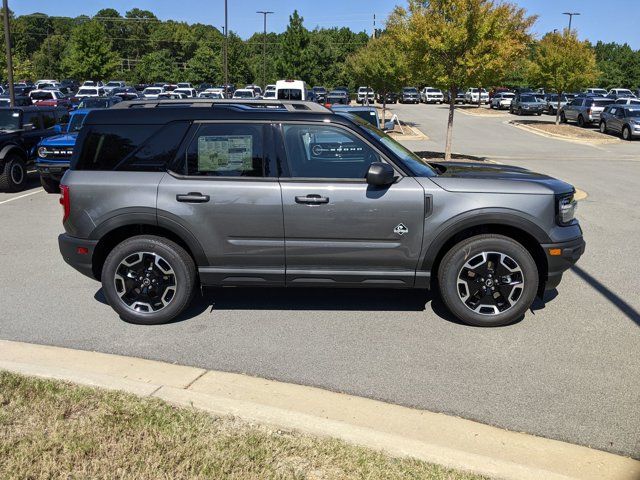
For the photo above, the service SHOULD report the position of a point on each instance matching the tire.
(519, 111)
(581, 122)
(13, 175)
(491, 106)
(50, 185)
(563, 118)
(626, 133)
(456, 288)
(135, 301)
(603, 127)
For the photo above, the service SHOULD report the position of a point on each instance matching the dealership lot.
(567, 371)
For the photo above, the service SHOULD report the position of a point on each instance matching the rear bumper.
(571, 252)
(69, 249)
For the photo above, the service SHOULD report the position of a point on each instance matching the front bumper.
(69, 249)
(53, 169)
(570, 252)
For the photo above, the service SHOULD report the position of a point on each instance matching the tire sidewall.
(176, 256)
(11, 163)
(453, 262)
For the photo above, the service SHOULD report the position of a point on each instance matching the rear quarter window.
(146, 148)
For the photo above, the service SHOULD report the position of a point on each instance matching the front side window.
(34, 119)
(226, 150)
(326, 151)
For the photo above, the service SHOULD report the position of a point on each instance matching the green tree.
(457, 43)
(294, 58)
(619, 65)
(158, 66)
(48, 60)
(379, 66)
(90, 55)
(204, 66)
(562, 63)
(138, 29)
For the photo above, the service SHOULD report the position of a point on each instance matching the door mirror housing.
(380, 174)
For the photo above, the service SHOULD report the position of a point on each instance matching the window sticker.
(226, 153)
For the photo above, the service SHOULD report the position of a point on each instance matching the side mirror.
(380, 174)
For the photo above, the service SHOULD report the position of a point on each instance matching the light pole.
(571, 14)
(7, 43)
(226, 48)
(264, 47)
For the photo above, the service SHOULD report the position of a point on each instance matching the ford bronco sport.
(166, 196)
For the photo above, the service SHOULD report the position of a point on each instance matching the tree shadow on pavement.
(628, 310)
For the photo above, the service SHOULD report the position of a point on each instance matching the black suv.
(162, 198)
(21, 129)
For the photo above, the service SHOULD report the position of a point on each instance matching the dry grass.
(483, 111)
(51, 429)
(566, 131)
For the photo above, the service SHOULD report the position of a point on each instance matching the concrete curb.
(433, 437)
(584, 141)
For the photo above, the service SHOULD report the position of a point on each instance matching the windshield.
(414, 163)
(152, 91)
(410, 90)
(113, 84)
(368, 116)
(528, 98)
(94, 103)
(9, 119)
(433, 90)
(633, 113)
(243, 94)
(41, 96)
(87, 91)
(76, 122)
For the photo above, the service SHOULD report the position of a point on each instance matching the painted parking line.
(21, 196)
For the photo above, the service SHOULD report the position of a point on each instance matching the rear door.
(225, 193)
(338, 229)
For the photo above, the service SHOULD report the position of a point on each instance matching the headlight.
(566, 209)
(42, 152)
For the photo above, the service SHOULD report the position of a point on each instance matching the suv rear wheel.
(581, 121)
(488, 280)
(603, 126)
(13, 176)
(148, 279)
(626, 133)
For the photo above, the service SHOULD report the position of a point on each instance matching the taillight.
(64, 201)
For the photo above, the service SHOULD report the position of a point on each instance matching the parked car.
(527, 104)
(99, 102)
(189, 92)
(21, 129)
(92, 83)
(628, 101)
(152, 92)
(257, 90)
(50, 98)
(54, 153)
(621, 119)
(71, 84)
(502, 100)
(365, 95)
(89, 92)
(599, 92)
(40, 84)
(368, 114)
(501, 234)
(337, 96)
(22, 90)
(20, 101)
(408, 95)
(389, 97)
(584, 110)
(471, 96)
(112, 85)
(125, 93)
(246, 93)
(212, 93)
(183, 85)
(320, 93)
(172, 95)
(617, 93)
(431, 95)
(460, 97)
(293, 90)
(551, 100)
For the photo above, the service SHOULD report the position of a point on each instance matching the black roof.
(162, 112)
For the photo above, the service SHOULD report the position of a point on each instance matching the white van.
(292, 90)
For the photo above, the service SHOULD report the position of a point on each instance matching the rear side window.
(107, 146)
(226, 150)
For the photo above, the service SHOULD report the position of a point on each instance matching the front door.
(338, 229)
(225, 196)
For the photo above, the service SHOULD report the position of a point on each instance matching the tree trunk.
(479, 97)
(384, 110)
(558, 109)
(452, 108)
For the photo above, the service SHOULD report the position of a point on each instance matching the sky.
(611, 21)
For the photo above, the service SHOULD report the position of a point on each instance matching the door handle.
(312, 200)
(192, 197)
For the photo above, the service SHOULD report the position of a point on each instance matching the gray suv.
(584, 110)
(163, 197)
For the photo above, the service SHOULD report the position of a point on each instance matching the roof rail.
(289, 105)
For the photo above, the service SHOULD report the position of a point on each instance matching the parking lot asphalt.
(568, 371)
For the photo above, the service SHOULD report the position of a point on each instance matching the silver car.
(552, 102)
(621, 119)
(502, 100)
(584, 110)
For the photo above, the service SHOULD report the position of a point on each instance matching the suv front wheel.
(13, 174)
(148, 279)
(488, 280)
